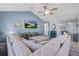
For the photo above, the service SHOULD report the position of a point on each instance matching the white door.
(46, 29)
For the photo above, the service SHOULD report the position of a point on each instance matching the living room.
(38, 21)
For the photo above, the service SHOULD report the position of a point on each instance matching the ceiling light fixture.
(46, 10)
(60, 24)
(70, 23)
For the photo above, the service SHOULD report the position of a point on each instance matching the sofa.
(58, 46)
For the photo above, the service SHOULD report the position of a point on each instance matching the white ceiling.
(65, 11)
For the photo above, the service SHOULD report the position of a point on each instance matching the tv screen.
(30, 24)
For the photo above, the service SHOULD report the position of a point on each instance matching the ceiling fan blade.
(44, 14)
(40, 11)
(54, 9)
(45, 7)
(51, 13)
(31, 7)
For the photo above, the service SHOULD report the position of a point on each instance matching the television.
(30, 24)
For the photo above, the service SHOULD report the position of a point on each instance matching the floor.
(3, 49)
(74, 49)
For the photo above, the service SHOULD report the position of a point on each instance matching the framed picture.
(30, 24)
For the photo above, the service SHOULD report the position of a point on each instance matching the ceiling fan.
(47, 11)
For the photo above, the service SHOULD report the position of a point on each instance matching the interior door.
(46, 28)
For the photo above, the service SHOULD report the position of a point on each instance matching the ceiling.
(65, 11)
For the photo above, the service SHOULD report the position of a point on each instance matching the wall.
(8, 19)
(65, 11)
(78, 27)
(69, 25)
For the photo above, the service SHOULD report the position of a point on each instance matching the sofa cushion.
(49, 49)
(64, 50)
(62, 38)
(9, 48)
(39, 38)
(43, 42)
(33, 46)
(20, 49)
(32, 41)
(13, 37)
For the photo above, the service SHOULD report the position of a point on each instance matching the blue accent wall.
(8, 19)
